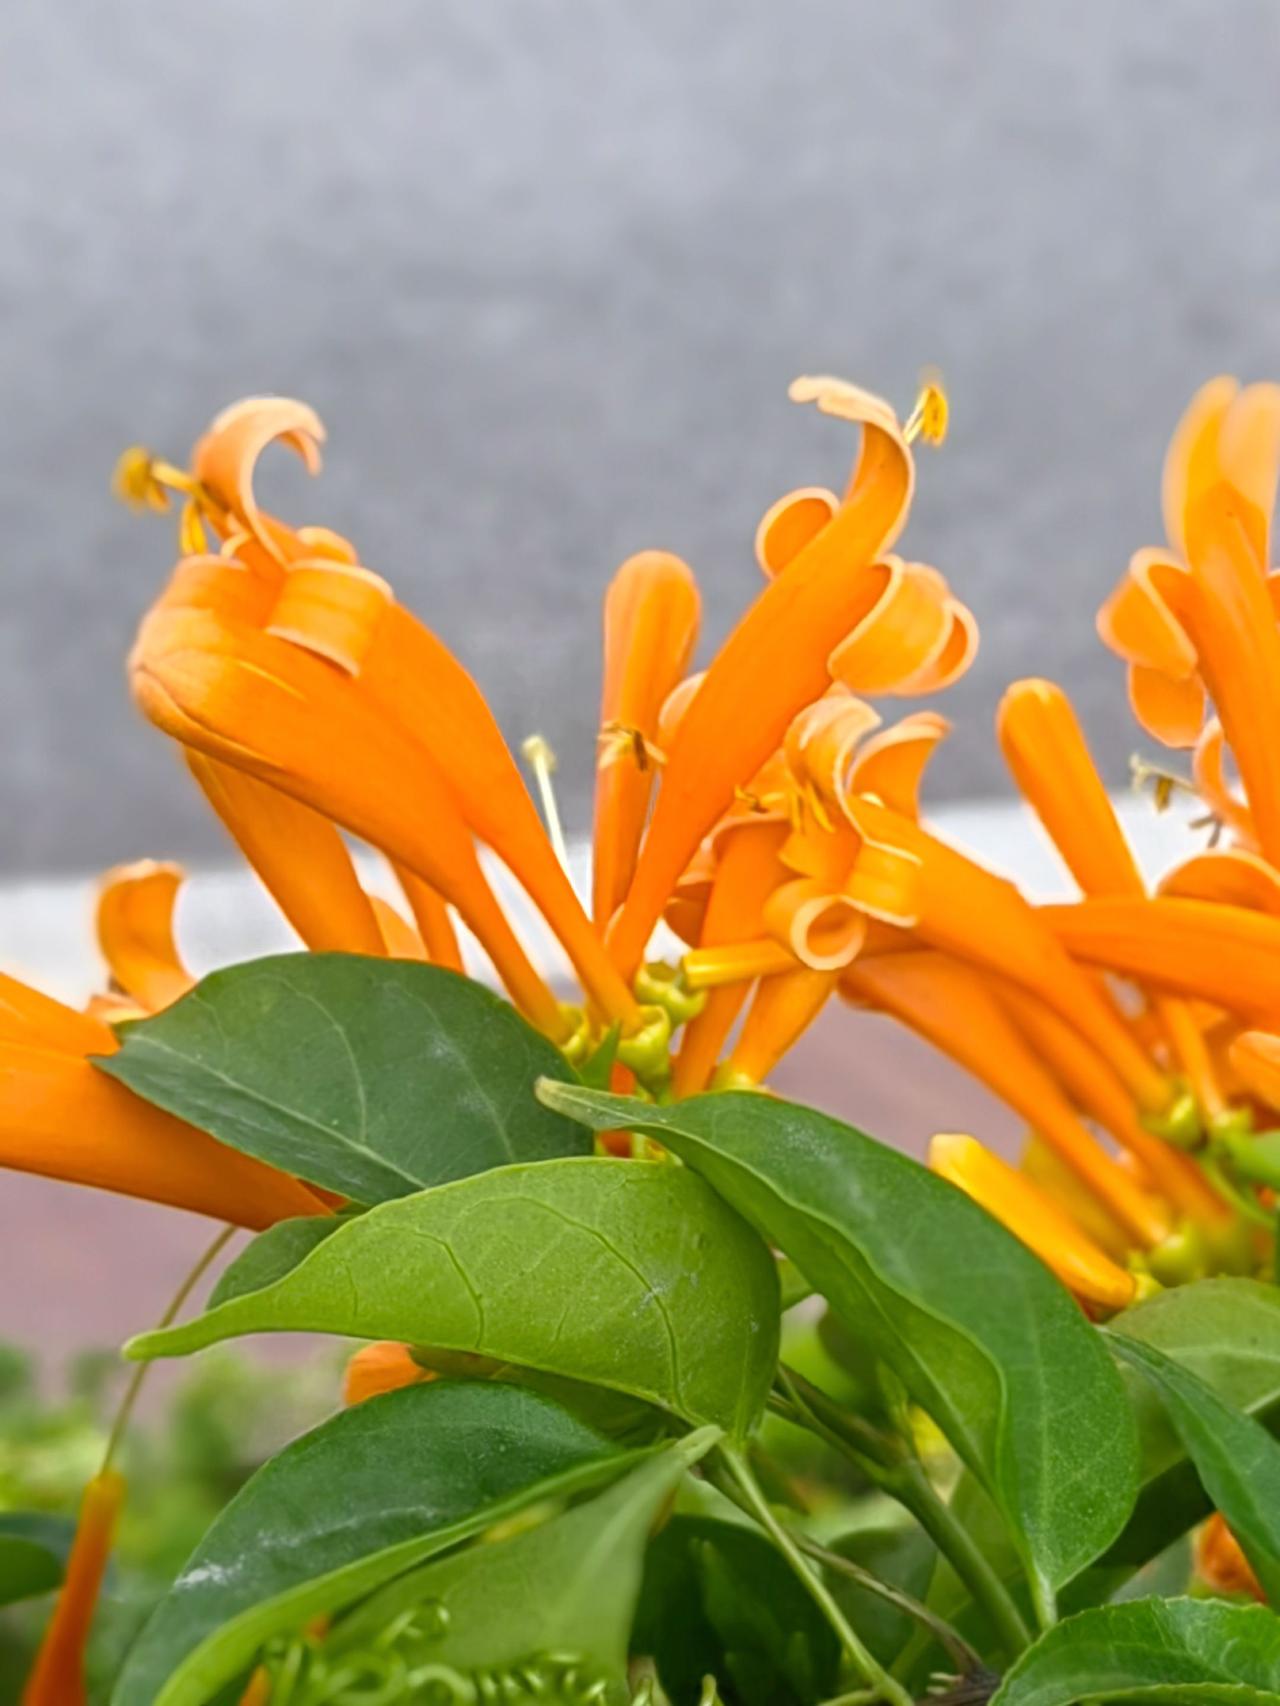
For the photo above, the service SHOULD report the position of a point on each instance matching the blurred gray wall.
(546, 266)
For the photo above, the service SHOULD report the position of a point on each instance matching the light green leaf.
(1168, 1652)
(344, 1509)
(978, 1330)
(372, 1078)
(566, 1588)
(271, 1255)
(1236, 1459)
(632, 1275)
(33, 1552)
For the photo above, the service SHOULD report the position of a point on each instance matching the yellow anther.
(619, 741)
(134, 481)
(929, 418)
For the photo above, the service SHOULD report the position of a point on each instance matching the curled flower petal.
(651, 617)
(1034, 1218)
(891, 764)
(1231, 876)
(135, 932)
(333, 610)
(773, 663)
(915, 637)
(57, 1677)
(951, 1007)
(823, 930)
(225, 459)
(791, 524)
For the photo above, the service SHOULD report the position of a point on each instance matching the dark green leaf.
(902, 1557)
(627, 1274)
(566, 1588)
(1226, 1331)
(1168, 1652)
(33, 1551)
(372, 1078)
(719, 1600)
(345, 1508)
(1236, 1459)
(978, 1330)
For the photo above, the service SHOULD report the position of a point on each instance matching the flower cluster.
(767, 815)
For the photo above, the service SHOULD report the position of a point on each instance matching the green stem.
(958, 1650)
(131, 1391)
(886, 1462)
(881, 1686)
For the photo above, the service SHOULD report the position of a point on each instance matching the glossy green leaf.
(627, 1274)
(978, 1330)
(566, 1588)
(344, 1509)
(372, 1078)
(33, 1552)
(1227, 1332)
(1168, 1652)
(1236, 1459)
(719, 1600)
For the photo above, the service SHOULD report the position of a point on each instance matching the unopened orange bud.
(384, 1366)
(1221, 1563)
(57, 1677)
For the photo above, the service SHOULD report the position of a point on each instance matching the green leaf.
(568, 1587)
(344, 1509)
(1227, 1332)
(372, 1078)
(976, 1327)
(719, 1600)
(632, 1275)
(1236, 1459)
(33, 1553)
(271, 1255)
(1168, 1652)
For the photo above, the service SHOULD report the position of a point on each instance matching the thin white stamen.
(542, 761)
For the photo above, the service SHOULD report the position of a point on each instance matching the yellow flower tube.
(1034, 1218)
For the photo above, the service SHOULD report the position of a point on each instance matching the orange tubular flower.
(651, 615)
(905, 876)
(301, 858)
(1045, 749)
(62, 1118)
(783, 1009)
(135, 932)
(1034, 1218)
(827, 601)
(219, 685)
(308, 592)
(57, 1677)
(953, 1009)
(1221, 1564)
(747, 871)
(1220, 954)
